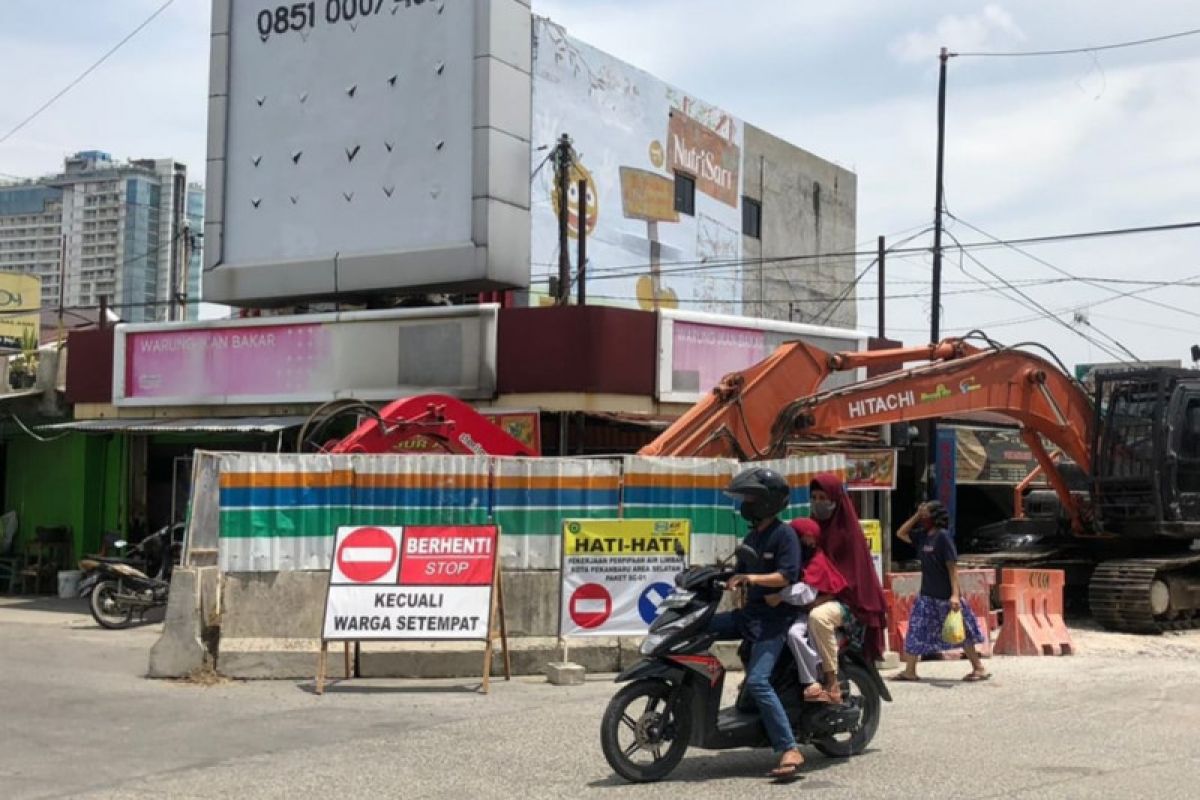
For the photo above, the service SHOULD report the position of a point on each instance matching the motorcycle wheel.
(862, 688)
(639, 721)
(106, 610)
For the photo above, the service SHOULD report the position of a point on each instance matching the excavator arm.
(736, 419)
(1019, 386)
(445, 420)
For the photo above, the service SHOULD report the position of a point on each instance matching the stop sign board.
(366, 555)
(591, 605)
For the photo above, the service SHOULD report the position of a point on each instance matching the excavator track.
(1132, 596)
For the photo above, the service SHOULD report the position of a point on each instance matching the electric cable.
(85, 73)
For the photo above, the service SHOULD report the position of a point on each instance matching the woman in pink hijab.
(843, 542)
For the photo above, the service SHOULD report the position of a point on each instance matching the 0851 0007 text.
(299, 17)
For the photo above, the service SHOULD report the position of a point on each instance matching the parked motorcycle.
(674, 694)
(120, 589)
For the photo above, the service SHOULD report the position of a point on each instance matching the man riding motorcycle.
(761, 494)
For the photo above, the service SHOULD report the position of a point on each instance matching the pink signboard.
(226, 362)
(703, 354)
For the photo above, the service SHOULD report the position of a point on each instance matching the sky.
(1034, 146)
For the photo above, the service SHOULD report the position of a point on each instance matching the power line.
(1045, 312)
(1004, 323)
(1073, 50)
(705, 265)
(837, 302)
(85, 73)
(1061, 271)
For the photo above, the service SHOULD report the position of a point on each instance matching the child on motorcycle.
(819, 582)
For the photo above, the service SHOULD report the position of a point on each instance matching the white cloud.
(991, 29)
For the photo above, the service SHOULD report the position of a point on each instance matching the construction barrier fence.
(279, 512)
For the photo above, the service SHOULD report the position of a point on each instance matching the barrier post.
(1032, 602)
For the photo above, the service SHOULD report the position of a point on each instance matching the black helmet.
(761, 493)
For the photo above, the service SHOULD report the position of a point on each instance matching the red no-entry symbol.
(590, 606)
(367, 554)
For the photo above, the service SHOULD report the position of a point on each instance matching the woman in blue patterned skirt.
(929, 532)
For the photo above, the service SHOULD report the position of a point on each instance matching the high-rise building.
(107, 229)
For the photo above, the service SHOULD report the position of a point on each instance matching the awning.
(203, 425)
(21, 395)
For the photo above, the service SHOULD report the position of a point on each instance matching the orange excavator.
(1133, 519)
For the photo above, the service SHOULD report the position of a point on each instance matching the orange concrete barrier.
(1032, 603)
(901, 593)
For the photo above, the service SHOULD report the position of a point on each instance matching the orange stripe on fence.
(285, 480)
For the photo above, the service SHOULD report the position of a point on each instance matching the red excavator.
(1129, 507)
(447, 422)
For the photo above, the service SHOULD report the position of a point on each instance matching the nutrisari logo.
(703, 153)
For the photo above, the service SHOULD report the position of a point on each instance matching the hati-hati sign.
(616, 572)
(413, 584)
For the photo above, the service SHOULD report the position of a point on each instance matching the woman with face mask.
(843, 541)
(929, 532)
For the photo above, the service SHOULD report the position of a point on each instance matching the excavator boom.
(735, 420)
(1013, 384)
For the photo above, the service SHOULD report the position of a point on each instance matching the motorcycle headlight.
(677, 599)
(651, 643)
(660, 634)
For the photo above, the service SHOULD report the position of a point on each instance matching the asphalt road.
(78, 719)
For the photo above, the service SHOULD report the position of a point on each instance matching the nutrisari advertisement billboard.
(632, 134)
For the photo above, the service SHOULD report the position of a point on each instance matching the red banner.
(450, 556)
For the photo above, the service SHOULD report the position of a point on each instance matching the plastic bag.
(953, 630)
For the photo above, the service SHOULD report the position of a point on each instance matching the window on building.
(685, 194)
(751, 218)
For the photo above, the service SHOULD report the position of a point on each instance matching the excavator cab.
(1146, 469)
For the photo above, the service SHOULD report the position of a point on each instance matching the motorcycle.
(679, 683)
(118, 589)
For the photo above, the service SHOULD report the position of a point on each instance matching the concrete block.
(271, 624)
(531, 602)
(275, 658)
(565, 673)
(180, 650)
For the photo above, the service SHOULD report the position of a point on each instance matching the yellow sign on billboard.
(20, 301)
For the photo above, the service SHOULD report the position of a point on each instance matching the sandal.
(977, 677)
(787, 772)
(904, 678)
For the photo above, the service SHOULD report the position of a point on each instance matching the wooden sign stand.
(497, 606)
(323, 664)
(495, 614)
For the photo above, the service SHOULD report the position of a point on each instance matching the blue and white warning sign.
(649, 601)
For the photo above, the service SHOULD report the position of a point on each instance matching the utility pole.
(936, 316)
(882, 286)
(581, 270)
(935, 330)
(563, 159)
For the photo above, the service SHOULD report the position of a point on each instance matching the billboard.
(696, 350)
(19, 294)
(370, 355)
(631, 135)
(367, 145)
